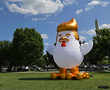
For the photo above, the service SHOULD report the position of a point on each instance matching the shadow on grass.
(1, 85)
(43, 79)
(34, 78)
(104, 72)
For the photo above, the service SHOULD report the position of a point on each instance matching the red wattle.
(63, 44)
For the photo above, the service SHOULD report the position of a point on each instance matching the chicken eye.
(68, 34)
(60, 35)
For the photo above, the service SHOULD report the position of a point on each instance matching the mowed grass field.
(42, 81)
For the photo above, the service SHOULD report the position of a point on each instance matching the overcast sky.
(45, 15)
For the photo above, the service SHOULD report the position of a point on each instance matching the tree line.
(26, 49)
(100, 54)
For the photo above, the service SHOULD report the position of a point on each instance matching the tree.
(5, 55)
(101, 48)
(27, 46)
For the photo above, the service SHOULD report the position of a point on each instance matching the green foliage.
(5, 52)
(27, 46)
(101, 47)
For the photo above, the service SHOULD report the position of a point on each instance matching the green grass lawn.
(41, 81)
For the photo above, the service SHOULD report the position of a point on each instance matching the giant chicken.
(68, 53)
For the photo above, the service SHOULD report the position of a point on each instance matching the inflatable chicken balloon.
(68, 53)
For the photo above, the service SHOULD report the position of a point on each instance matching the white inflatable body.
(70, 55)
(86, 47)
